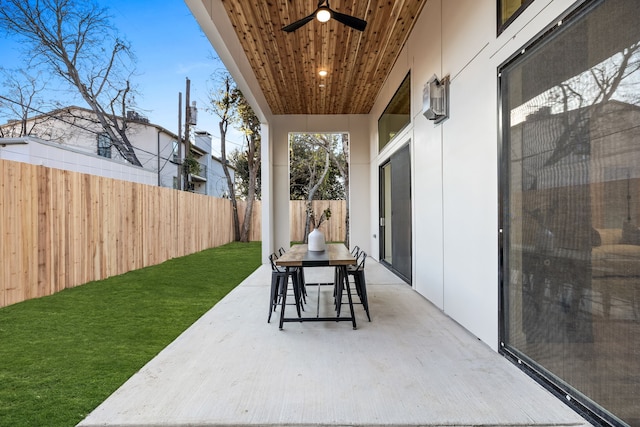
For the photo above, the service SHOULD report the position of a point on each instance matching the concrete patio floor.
(410, 366)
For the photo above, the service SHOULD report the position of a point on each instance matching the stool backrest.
(361, 258)
(272, 258)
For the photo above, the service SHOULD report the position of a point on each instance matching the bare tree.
(21, 98)
(587, 95)
(223, 103)
(341, 162)
(75, 41)
(230, 105)
(318, 158)
(309, 170)
(250, 126)
(313, 187)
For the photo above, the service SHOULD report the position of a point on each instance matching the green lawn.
(62, 355)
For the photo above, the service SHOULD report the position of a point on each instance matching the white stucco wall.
(77, 131)
(148, 140)
(455, 164)
(39, 152)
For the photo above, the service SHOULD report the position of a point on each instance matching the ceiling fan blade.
(294, 26)
(350, 21)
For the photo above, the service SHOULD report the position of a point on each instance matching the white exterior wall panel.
(455, 164)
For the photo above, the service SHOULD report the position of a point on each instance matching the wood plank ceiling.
(287, 64)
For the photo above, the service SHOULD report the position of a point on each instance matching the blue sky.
(169, 47)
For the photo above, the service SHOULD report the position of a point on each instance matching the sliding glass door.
(571, 210)
(395, 213)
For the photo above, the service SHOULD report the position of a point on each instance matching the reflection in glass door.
(571, 210)
(395, 213)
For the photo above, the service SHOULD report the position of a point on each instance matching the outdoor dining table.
(335, 255)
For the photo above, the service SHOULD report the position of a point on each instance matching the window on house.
(104, 145)
(397, 115)
(174, 153)
(508, 10)
(570, 297)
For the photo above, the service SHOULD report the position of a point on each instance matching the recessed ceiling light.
(323, 73)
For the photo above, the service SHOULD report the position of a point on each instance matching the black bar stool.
(300, 270)
(279, 284)
(357, 272)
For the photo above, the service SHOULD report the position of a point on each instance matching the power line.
(51, 116)
(84, 128)
(239, 145)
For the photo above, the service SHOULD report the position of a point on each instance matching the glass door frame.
(553, 383)
(385, 224)
(382, 218)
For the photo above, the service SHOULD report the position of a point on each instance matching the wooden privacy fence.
(60, 229)
(333, 229)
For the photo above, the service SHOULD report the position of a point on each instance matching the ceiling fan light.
(323, 73)
(323, 14)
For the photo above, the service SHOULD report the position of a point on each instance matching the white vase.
(316, 241)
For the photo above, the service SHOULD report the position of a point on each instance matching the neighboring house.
(210, 179)
(76, 130)
(29, 149)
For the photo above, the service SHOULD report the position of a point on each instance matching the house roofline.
(70, 108)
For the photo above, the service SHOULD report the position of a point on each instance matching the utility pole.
(187, 135)
(191, 118)
(180, 161)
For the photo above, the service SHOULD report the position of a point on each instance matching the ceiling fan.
(324, 12)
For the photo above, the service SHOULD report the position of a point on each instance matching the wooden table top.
(299, 256)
